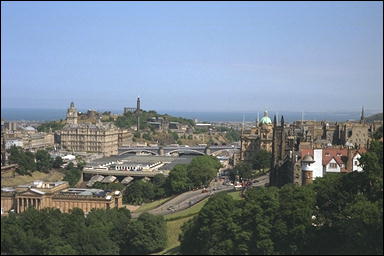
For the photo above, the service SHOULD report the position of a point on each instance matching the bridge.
(169, 150)
(117, 173)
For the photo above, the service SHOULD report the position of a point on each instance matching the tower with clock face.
(71, 114)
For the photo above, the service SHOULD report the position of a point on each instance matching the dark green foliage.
(262, 160)
(54, 125)
(202, 170)
(72, 174)
(212, 233)
(43, 161)
(130, 119)
(338, 214)
(103, 232)
(378, 133)
(57, 162)
(242, 170)
(147, 234)
(139, 192)
(177, 181)
(181, 178)
(24, 159)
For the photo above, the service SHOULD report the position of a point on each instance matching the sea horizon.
(43, 114)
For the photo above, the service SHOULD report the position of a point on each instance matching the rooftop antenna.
(242, 128)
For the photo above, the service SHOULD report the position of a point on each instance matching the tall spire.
(274, 120)
(302, 117)
(242, 127)
(282, 121)
(362, 119)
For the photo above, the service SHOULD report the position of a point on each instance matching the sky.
(193, 56)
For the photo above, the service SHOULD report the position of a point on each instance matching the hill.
(378, 116)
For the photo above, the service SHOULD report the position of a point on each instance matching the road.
(190, 198)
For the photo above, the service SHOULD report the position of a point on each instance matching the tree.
(147, 234)
(139, 192)
(177, 181)
(43, 161)
(262, 160)
(215, 230)
(202, 170)
(24, 159)
(58, 162)
(244, 171)
(378, 133)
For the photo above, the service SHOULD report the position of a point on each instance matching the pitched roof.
(336, 153)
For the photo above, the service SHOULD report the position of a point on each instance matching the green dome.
(265, 120)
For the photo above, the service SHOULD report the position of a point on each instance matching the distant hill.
(378, 116)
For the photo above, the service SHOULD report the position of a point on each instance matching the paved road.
(190, 198)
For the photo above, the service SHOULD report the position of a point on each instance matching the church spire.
(362, 118)
(282, 121)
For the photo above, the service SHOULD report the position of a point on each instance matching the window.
(356, 162)
(333, 165)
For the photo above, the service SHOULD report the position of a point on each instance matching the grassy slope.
(152, 205)
(24, 179)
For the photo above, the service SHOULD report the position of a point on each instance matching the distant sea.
(57, 114)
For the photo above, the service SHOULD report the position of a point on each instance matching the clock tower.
(71, 114)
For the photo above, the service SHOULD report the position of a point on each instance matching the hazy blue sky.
(197, 56)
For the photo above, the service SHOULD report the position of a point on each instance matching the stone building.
(257, 138)
(41, 195)
(104, 138)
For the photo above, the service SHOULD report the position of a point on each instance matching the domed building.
(265, 120)
(257, 138)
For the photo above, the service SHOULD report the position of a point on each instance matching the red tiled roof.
(333, 153)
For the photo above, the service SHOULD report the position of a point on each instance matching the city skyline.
(226, 57)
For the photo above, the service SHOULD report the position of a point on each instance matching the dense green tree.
(338, 214)
(43, 161)
(378, 133)
(58, 162)
(102, 232)
(177, 180)
(72, 174)
(147, 234)
(24, 159)
(214, 230)
(262, 160)
(202, 170)
(243, 170)
(139, 192)
(293, 219)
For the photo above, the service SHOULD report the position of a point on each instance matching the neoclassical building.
(259, 137)
(104, 138)
(39, 195)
